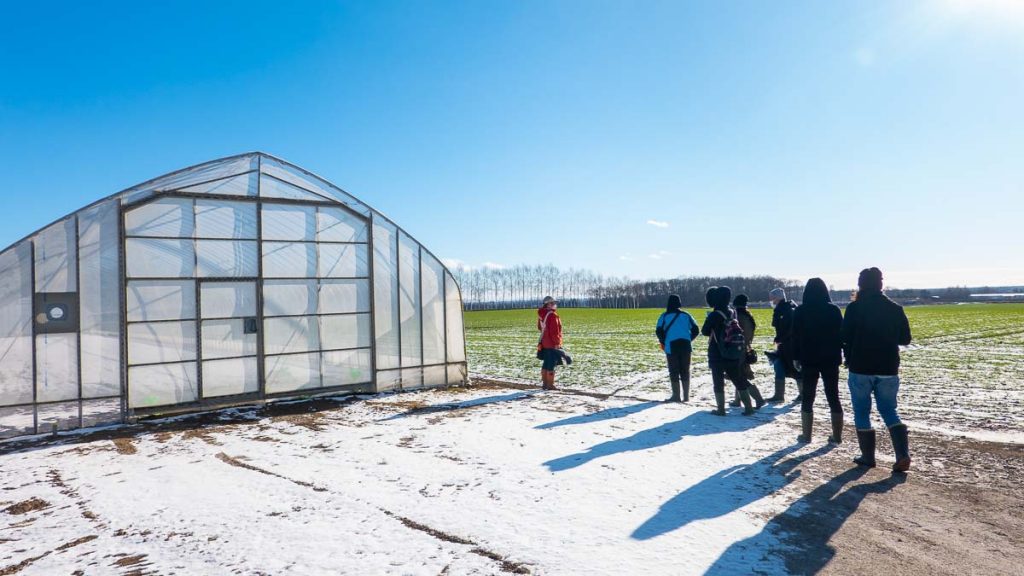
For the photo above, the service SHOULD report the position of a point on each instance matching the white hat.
(549, 300)
(777, 293)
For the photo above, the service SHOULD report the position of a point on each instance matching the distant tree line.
(525, 286)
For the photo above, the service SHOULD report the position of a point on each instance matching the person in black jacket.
(782, 363)
(873, 330)
(715, 329)
(749, 325)
(817, 351)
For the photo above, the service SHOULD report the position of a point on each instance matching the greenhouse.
(237, 281)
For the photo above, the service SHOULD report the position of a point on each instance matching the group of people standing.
(812, 340)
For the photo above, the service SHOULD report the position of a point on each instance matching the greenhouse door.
(230, 340)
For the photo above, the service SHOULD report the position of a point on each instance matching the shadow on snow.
(601, 416)
(727, 491)
(450, 406)
(697, 424)
(806, 527)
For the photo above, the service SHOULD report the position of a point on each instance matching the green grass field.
(965, 367)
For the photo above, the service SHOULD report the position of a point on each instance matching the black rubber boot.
(675, 390)
(748, 410)
(686, 390)
(900, 445)
(806, 425)
(799, 390)
(780, 391)
(866, 439)
(720, 403)
(735, 402)
(837, 428)
(756, 395)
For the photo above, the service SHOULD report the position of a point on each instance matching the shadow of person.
(799, 536)
(727, 491)
(450, 406)
(699, 423)
(608, 414)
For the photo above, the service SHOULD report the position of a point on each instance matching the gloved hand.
(799, 367)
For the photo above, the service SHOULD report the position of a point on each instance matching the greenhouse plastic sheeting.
(232, 281)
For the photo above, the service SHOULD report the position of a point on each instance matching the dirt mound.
(26, 506)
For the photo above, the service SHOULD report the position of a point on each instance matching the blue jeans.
(780, 368)
(885, 388)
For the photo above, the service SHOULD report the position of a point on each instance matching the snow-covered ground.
(471, 481)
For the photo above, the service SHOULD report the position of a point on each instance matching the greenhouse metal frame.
(233, 282)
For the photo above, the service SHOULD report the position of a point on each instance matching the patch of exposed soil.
(128, 561)
(124, 445)
(76, 542)
(26, 506)
(204, 434)
(505, 564)
(15, 568)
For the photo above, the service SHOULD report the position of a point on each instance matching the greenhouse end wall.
(232, 282)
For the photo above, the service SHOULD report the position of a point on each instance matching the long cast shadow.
(727, 491)
(600, 416)
(451, 406)
(805, 528)
(697, 424)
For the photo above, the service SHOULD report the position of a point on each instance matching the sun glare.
(996, 11)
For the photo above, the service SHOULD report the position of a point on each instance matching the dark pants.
(551, 357)
(722, 370)
(830, 378)
(679, 365)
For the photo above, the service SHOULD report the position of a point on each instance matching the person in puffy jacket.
(873, 330)
(676, 330)
(550, 345)
(715, 327)
(817, 351)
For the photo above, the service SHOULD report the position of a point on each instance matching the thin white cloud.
(626, 258)
(492, 266)
(454, 264)
(659, 255)
(658, 223)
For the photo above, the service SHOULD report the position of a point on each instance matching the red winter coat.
(551, 330)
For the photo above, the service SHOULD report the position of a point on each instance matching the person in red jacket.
(549, 349)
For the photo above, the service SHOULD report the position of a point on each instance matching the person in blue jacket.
(676, 330)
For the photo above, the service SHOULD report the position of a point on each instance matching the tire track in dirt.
(504, 563)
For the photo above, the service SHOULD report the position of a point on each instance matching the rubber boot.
(780, 391)
(866, 439)
(837, 428)
(756, 395)
(735, 402)
(748, 410)
(549, 380)
(799, 390)
(900, 445)
(720, 403)
(675, 390)
(806, 425)
(686, 390)
(543, 379)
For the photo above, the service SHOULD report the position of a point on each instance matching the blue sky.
(647, 139)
